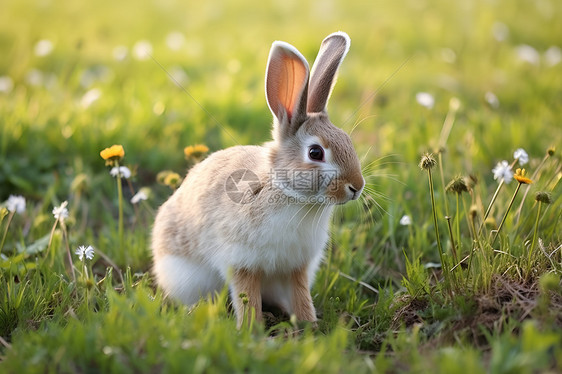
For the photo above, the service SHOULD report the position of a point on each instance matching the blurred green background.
(88, 87)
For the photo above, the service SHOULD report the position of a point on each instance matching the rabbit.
(257, 217)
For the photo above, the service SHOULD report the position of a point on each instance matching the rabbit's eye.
(316, 153)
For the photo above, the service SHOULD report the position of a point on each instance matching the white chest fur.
(293, 237)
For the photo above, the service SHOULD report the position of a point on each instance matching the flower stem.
(506, 213)
(458, 224)
(120, 199)
(69, 256)
(531, 249)
(472, 252)
(453, 250)
(10, 217)
(440, 248)
(48, 251)
(490, 205)
(443, 183)
(533, 177)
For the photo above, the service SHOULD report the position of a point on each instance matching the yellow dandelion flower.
(195, 151)
(521, 178)
(172, 180)
(115, 152)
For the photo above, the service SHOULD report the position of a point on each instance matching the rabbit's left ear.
(286, 84)
(322, 76)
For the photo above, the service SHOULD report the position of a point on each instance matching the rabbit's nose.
(354, 191)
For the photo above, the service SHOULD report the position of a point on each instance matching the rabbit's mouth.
(344, 191)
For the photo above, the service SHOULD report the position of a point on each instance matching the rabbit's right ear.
(324, 70)
(286, 87)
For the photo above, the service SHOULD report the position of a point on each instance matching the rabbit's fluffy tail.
(186, 280)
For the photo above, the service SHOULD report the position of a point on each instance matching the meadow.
(447, 264)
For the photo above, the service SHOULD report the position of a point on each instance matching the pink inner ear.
(286, 81)
(291, 86)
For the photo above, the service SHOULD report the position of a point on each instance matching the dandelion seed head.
(528, 54)
(427, 161)
(61, 212)
(521, 156)
(457, 185)
(120, 53)
(553, 56)
(492, 100)
(85, 252)
(425, 99)
(142, 50)
(406, 220)
(121, 172)
(503, 171)
(500, 31)
(6, 84)
(35, 77)
(448, 55)
(43, 48)
(141, 195)
(175, 40)
(543, 197)
(16, 204)
(179, 76)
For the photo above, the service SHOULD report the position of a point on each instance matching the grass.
(383, 301)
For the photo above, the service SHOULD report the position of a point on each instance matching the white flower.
(500, 31)
(83, 251)
(492, 99)
(521, 156)
(448, 55)
(405, 220)
(142, 50)
(121, 171)
(528, 54)
(425, 99)
(120, 52)
(553, 56)
(90, 97)
(179, 76)
(16, 204)
(503, 171)
(43, 47)
(175, 40)
(6, 84)
(139, 196)
(61, 212)
(35, 77)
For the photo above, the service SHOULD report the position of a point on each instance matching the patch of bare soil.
(507, 300)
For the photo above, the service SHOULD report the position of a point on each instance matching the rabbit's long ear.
(332, 51)
(286, 84)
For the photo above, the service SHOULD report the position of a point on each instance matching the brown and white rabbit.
(258, 217)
